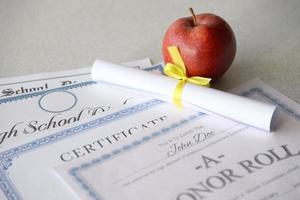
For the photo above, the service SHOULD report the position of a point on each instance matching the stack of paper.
(64, 136)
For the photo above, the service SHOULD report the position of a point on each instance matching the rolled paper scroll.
(209, 100)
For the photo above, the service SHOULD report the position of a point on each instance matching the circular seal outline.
(40, 105)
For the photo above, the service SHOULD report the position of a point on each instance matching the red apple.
(206, 43)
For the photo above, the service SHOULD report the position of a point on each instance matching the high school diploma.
(41, 128)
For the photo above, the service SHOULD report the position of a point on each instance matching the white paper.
(241, 109)
(199, 158)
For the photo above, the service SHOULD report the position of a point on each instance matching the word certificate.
(197, 157)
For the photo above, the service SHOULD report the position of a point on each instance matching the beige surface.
(40, 35)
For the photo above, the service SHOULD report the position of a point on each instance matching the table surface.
(51, 35)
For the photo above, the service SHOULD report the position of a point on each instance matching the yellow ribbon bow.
(177, 70)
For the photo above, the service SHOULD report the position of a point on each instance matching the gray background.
(52, 35)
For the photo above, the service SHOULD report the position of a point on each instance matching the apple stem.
(194, 16)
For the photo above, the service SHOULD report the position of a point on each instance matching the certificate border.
(157, 67)
(40, 93)
(7, 157)
(74, 172)
(44, 79)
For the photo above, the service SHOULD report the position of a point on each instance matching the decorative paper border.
(40, 93)
(75, 171)
(44, 79)
(158, 67)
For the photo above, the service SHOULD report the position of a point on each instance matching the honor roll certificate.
(194, 157)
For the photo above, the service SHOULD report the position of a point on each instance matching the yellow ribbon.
(177, 70)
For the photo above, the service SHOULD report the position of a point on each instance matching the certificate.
(199, 157)
(47, 128)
